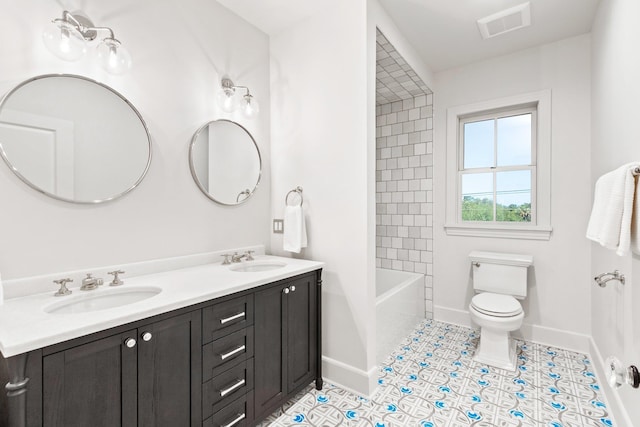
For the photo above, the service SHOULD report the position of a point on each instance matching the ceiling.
(395, 79)
(444, 32)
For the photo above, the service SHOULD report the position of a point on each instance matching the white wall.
(323, 139)
(615, 317)
(559, 278)
(319, 138)
(179, 54)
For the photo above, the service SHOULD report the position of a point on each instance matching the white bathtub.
(400, 306)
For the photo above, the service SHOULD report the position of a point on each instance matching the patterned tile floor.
(432, 380)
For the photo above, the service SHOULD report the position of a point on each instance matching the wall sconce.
(67, 38)
(229, 100)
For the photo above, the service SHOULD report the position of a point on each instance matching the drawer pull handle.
(235, 421)
(234, 317)
(228, 390)
(233, 352)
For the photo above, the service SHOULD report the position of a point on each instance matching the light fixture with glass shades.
(67, 38)
(230, 100)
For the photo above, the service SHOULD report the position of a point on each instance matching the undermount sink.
(257, 266)
(108, 298)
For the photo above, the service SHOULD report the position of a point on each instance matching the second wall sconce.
(229, 100)
(67, 38)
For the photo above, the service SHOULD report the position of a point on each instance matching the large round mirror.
(225, 162)
(73, 138)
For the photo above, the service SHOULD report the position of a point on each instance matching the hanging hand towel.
(613, 209)
(295, 230)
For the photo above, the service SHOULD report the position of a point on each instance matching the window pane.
(514, 140)
(477, 197)
(478, 144)
(513, 194)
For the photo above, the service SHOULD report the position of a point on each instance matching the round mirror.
(225, 162)
(73, 139)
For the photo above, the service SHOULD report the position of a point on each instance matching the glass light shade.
(227, 99)
(64, 40)
(114, 58)
(249, 106)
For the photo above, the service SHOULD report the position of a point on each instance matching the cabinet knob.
(146, 336)
(293, 288)
(285, 290)
(130, 342)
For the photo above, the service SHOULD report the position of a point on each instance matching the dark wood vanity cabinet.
(228, 362)
(286, 356)
(140, 377)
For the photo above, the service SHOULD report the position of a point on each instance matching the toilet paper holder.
(602, 279)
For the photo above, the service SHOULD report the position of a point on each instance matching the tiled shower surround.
(404, 188)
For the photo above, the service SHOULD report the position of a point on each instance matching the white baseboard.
(536, 333)
(555, 337)
(614, 403)
(452, 315)
(351, 379)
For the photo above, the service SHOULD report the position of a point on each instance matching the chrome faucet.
(89, 283)
(63, 287)
(116, 280)
(237, 258)
(247, 255)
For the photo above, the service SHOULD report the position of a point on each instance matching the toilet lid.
(498, 305)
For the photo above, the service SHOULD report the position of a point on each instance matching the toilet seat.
(497, 305)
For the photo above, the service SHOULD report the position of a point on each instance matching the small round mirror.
(225, 162)
(73, 139)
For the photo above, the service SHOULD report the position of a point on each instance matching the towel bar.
(295, 190)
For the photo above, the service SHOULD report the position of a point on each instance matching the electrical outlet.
(278, 226)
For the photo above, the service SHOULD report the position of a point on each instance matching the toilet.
(499, 280)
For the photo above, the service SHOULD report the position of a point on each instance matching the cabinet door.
(93, 384)
(301, 321)
(269, 371)
(169, 372)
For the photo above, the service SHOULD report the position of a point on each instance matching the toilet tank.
(501, 273)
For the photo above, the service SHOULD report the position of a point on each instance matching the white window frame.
(540, 226)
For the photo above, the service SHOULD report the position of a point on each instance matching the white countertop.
(25, 326)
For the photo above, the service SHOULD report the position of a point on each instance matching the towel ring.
(295, 190)
(245, 193)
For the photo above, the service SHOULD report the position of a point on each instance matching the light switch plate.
(278, 226)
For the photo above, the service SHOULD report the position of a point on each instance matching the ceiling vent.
(507, 20)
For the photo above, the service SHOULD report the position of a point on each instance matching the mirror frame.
(194, 138)
(4, 99)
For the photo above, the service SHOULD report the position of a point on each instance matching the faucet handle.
(226, 259)
(116, 280)
(249, 255)
(63, 287)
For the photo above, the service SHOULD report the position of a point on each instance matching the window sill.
(502, 232)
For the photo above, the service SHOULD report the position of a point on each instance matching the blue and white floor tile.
(431, 380)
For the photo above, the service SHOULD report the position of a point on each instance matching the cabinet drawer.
(237, 414)
(226, 387)
(221, 354)
(225, 317)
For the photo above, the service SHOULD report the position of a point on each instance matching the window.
(498, 168)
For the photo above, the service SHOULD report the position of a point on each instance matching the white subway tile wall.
(404, 186)
(404, 168)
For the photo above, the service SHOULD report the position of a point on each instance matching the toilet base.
(497, 349)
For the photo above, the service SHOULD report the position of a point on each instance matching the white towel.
(1, 292)
(295, 230)
(613, 209)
